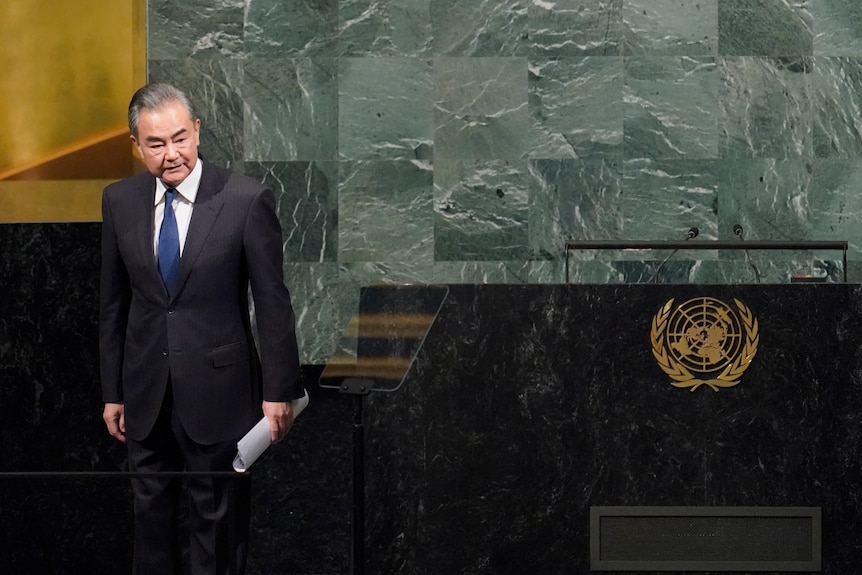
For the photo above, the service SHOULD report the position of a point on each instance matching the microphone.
(689, 235)
(740, 233)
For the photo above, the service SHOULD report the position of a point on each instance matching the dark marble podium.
(527, 405)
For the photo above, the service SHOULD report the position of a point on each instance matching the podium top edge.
(706, 245)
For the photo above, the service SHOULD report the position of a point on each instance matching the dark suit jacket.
(202, 335)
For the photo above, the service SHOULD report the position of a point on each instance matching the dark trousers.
(218, 508)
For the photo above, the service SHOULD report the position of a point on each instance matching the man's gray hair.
(154, 96)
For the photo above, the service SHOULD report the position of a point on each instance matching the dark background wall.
(50, 420)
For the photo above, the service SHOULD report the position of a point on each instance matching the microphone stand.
(739, 232)
(690, 235)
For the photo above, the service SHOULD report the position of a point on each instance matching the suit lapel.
(144, 227)
(208, 204)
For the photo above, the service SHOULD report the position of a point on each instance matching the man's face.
(168, 141)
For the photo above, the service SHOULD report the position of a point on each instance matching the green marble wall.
(464, 141)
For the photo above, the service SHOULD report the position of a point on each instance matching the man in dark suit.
(182, 379)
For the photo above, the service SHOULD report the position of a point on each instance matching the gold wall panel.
(51, 201)
(69, 69)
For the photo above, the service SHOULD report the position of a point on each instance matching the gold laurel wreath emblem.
(682, 377)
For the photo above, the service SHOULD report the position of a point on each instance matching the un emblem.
(704, 341)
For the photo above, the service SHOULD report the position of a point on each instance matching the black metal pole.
(840, 245)
(357, 551)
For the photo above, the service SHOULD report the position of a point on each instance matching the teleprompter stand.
(374, 355)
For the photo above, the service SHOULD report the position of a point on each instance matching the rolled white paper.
(255, 442)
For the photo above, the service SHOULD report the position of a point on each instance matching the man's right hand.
(115, 418)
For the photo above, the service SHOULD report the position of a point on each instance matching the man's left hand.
(280, 415)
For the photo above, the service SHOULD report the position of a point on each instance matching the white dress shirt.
(183, 205)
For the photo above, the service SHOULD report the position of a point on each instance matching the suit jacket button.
(171, 311)
(165, 351)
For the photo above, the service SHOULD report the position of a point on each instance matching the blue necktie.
(169, 243)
